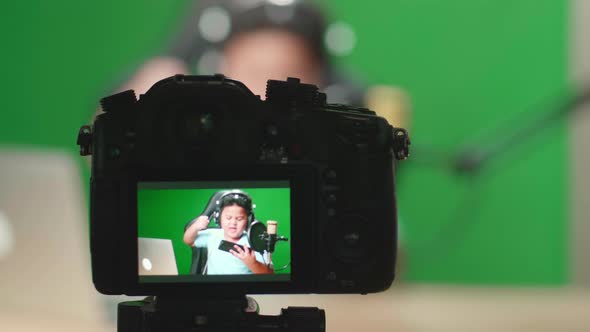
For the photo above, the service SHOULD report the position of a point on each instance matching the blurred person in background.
(251, 41)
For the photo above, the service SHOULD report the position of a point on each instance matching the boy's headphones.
(234, 197)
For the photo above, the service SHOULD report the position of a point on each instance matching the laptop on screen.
(156, 257)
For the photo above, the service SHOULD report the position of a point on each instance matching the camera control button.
(347, 283)
(331, 198)
(331, 276)
(117, 101)
(331, 212)
(330, 176)
(113, 152)
(351, 238)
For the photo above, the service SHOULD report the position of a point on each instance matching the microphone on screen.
(264, 238)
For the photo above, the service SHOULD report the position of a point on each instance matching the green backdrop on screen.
(163, 214)
(468, 65)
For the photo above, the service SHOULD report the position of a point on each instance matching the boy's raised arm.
(191, 233)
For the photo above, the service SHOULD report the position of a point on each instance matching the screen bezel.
(301, 179)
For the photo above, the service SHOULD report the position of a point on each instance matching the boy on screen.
(232, 211)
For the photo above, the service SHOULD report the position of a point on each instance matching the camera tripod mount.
(237, 314)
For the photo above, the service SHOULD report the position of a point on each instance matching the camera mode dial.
(117, 101)
(294, 93)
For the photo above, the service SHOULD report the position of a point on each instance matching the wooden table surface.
(43, 322)
(410, 308)
(449, 309)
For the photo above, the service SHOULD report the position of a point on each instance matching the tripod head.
(239, 314)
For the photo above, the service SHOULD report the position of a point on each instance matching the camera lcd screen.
(210, 232)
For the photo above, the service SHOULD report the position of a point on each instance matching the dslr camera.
(320, 175)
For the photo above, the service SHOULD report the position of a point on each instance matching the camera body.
(335, 161)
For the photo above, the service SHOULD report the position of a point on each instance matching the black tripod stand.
(166, 314)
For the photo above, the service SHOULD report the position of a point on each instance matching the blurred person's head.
(274, 40)
(253, 57)
(256, 40)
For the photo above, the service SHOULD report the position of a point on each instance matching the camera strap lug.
(85, 140)
(401, 143)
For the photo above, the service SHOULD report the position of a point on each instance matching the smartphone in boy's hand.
(227, 245)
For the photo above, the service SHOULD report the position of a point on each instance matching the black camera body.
(338, 162)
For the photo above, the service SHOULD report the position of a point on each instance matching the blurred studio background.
(494, 201)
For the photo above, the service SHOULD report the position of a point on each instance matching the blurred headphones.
(234, 197)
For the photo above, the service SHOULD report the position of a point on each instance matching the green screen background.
(163, 213)
(468, 65)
